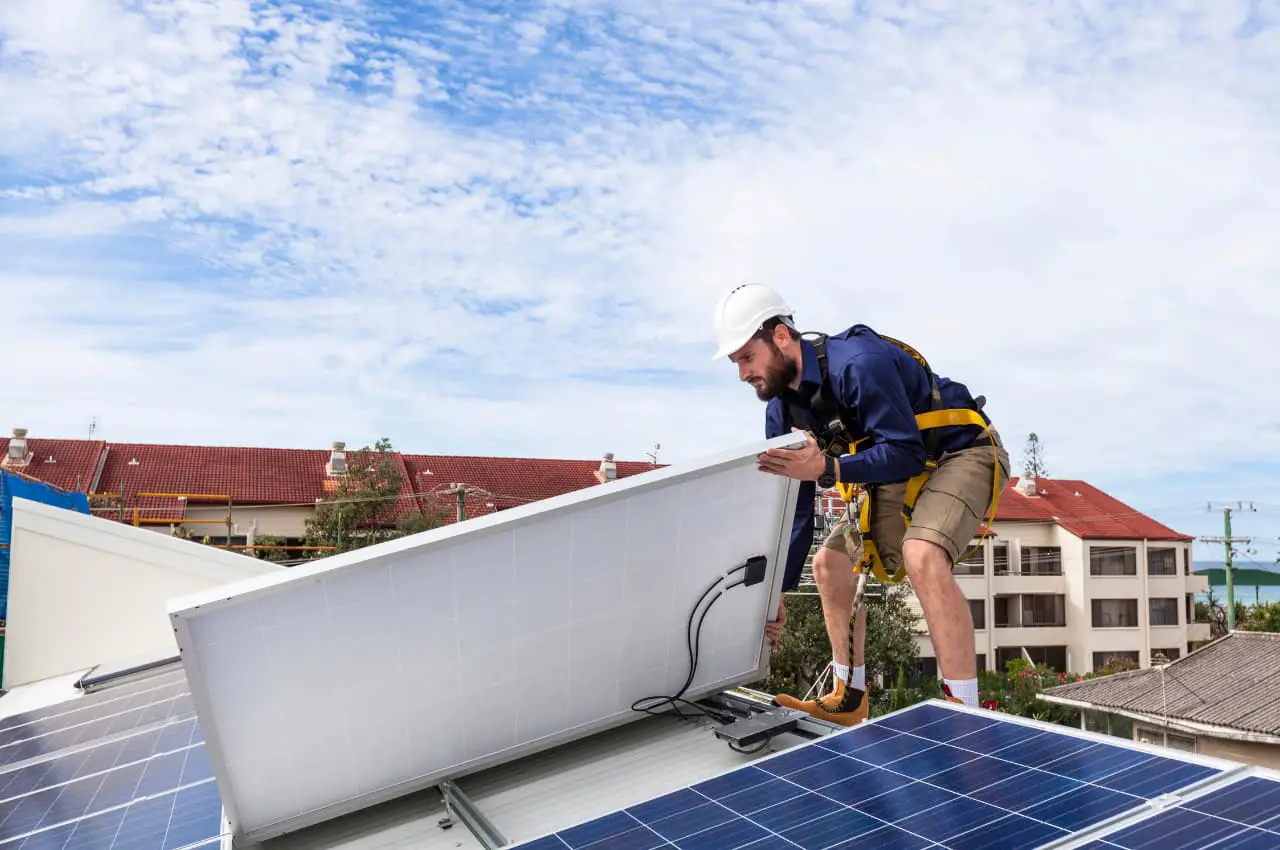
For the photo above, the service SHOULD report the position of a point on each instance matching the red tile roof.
(66, 464)
(1083, 510)
(273, 476)
(504, 482)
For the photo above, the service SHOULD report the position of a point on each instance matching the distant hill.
(1247, 573)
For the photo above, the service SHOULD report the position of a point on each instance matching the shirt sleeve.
(802, 525)
(874, 390)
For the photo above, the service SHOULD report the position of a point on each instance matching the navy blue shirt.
(880, 388)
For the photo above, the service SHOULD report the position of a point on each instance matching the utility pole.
(1227, 542)
(462, 502)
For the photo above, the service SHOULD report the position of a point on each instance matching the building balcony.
(1011, 583)
(1028, 635)
(1197, 632)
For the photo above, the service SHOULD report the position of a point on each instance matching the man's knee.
(829, 562)
(927, 562)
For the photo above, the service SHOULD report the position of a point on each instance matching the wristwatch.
(828, 478)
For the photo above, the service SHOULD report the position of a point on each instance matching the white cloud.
(1067, 210)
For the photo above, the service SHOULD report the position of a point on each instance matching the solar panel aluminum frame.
(186, 611)
(1230, 771)
(1238, 772)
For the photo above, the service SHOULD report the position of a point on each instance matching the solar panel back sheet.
(932, 775)
(335, 685)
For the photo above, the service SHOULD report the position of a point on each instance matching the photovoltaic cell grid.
(170, 683)
(926, 777)
(1242, 815)
(111, 771)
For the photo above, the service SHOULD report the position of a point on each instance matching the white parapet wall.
(84, 590)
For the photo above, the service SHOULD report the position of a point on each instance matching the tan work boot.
(845, 706)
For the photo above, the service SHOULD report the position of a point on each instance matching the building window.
(1000, 558)
(1030, 610)
(1115, 613)
(978, 610)
(1164, 738)
(1005, 654)
(1051, 656)
(1041, 560)
(1159, 656)
(1113, 561)
(982, 661)
(1162, 562)
(926, 669)
(972, 564)
(1164, 612)
(1044, 609)
(1115, 725)
(1100, 659)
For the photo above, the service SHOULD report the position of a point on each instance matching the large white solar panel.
(342, 683)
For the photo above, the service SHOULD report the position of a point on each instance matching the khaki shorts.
(949, 511)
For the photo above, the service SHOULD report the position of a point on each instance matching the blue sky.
(285, 224)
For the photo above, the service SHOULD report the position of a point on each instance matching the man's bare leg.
(946, 611)
(859, 679)
(845, 703)
(833, 573)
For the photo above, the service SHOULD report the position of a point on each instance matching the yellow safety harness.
(929, 421)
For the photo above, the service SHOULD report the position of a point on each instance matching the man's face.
(762, 364)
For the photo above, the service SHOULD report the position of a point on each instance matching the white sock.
(840, 671)
(859, 680)
(965, 690)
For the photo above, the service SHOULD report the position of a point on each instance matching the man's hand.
(773, 628)
(805, 463)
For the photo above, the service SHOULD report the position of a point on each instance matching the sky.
(502, 228)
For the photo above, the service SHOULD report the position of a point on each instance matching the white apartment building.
(1068, 576)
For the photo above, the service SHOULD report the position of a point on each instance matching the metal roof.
(519, 800)
(541, 793)
(1232, 683)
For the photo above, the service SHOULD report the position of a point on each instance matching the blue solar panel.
(133, 694)
(43, 738)
(928, 776)
(138, 778)
(1244, 813)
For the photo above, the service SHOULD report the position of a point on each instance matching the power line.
(1227, 542)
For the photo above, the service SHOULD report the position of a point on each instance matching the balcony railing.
(1032, 573)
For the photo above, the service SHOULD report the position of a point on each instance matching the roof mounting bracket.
(461, 807)
(760, 727)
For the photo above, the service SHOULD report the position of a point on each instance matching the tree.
(1033, 458)
(364, 507)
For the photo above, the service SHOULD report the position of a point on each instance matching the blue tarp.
(11, 487)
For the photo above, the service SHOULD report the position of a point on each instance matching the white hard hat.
(741, 312)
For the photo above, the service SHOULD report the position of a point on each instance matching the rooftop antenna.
(653, 455)
(93, 426)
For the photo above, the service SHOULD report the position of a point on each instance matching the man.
(877, 389)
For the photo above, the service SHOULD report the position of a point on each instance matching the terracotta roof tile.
(66, 464)
(504, 482)
(275, 476)
(1081, 509)
(1233, 682)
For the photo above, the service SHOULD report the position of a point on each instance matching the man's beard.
(778, 375)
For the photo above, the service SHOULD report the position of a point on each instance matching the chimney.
(337, 464)
(1026, 486)
(608, 470)
(19, 452)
